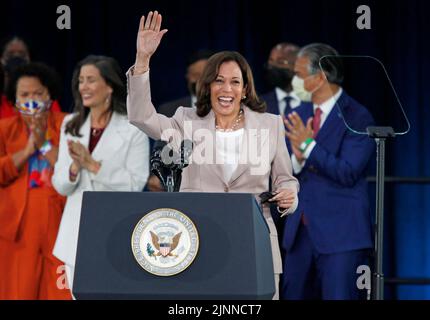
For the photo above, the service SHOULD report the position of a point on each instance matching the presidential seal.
(165, 242)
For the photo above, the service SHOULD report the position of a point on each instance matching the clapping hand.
(297, 132)
(37, 124)
(38, 132)
(30, 146)
(82, 157)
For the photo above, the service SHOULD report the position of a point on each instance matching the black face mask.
(14, 62)
(278, 77)
(192, 88)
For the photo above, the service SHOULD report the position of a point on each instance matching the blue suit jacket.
(271, 101)
(333, 190)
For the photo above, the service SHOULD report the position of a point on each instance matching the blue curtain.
(410, 68)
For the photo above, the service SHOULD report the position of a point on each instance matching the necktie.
(288, 108)
(316, 121)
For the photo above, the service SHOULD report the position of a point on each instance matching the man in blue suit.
(330, 234)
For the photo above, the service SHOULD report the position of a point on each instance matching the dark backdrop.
(398, 37)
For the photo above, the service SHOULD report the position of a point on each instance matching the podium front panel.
(234, 259)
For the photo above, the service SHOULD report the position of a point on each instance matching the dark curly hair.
(46, 75)
(211, 72)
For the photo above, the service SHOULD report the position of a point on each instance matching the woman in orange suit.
(30, 208)
(7, 108)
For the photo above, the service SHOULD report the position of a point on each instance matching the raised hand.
(148, 39)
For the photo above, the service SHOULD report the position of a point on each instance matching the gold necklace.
(95, 132)
(235, 124)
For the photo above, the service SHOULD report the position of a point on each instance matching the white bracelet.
(46, 147)
(305, 144)
(282, 212)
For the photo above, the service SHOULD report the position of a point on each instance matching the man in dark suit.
(14, 53)
(281, 99)
(196, 64)
(279, 73)
(330, 234)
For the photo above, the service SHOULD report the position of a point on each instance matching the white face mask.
(298, 85)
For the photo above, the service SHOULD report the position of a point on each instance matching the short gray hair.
(331, 64)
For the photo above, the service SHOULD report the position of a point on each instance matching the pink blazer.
(264, 133)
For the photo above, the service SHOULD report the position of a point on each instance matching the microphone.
(185, 152)
(181, 162)
(164, 156)
(157, 166)
(167, 164)
(155, 160)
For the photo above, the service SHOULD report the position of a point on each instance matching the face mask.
(299, 89)
(14, 62)
(278, 77)
(33, 107)
(192, 88)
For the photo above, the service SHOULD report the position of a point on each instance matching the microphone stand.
(380, 134)
(170, 183)
(175, 167)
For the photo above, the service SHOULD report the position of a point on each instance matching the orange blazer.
(14, 183)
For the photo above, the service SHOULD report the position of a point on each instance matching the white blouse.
(228, 148)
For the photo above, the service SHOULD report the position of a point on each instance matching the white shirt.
(228, 147)
(193, 101)
(280, 96)
(326, 107)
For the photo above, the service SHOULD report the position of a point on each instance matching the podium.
(234, 258)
